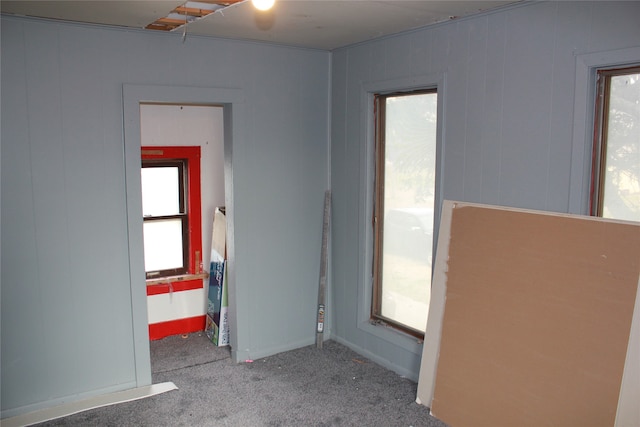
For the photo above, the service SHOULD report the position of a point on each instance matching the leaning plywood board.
(628, 408)
(217, 322)
(530, 320)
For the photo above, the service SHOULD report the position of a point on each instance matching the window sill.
(179, 278)
(183, 282)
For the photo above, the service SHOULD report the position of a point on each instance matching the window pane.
(409, 187)
(163, 244)
(160, 191)
(622, 169)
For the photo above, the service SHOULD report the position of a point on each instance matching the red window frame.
(194, 212)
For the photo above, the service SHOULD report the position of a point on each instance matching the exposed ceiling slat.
(159, 27)
(170, 21)
(192, 11)
(220, 2)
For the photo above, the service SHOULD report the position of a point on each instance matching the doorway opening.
(182, 183)
(230, 104)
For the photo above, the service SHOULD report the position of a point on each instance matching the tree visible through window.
(616, 164)
(404, 208)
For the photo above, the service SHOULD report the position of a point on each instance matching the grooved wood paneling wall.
(67, 321)
(507, 129)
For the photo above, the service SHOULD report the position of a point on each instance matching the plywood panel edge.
(628, 413)
(431, 346)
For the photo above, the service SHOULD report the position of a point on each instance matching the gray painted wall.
(508, 84)
(68, 326)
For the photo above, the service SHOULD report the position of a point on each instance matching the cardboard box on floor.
(532, 320)
(217, 323)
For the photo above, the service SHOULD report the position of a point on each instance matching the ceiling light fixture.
(263, 4)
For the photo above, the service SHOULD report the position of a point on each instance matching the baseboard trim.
(94, 402)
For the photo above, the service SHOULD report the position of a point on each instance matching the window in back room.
(170, 178)
(405, 176)
(615, 188)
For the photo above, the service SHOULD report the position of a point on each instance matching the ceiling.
(320, 24)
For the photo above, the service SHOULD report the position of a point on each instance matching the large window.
(616, 160)
(404, 208)
(170, 178)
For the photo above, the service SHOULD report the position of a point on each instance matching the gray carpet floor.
(332, 386)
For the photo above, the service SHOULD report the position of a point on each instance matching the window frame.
(183, 214)
(189, 157)
(600, 132)
(379, 117)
